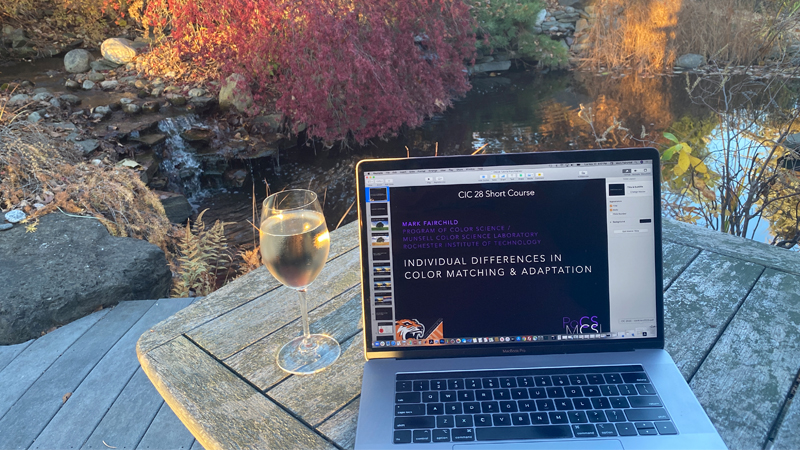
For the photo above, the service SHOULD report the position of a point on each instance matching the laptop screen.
(528, 250)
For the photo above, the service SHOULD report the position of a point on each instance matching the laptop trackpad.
(604, 444)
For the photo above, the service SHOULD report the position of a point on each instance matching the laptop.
(515, 301)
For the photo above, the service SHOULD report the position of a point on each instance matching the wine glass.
(294, 245)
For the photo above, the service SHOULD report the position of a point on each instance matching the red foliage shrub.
(344, 68)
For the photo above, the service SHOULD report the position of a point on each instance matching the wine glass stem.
(304, 313)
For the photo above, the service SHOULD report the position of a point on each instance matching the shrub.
(95, 19)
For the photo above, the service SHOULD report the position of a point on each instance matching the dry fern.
(201, 255)
(251, 259)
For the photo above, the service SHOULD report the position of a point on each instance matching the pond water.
(517, 112)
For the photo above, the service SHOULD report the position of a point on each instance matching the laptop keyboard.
(584, 402)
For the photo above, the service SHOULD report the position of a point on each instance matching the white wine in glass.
(294, 245)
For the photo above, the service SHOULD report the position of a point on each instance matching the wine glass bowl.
(294, 245)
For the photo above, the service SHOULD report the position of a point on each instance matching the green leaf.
(671, 137)
(669, 152)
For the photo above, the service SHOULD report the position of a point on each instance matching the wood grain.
(700, 302)
(218, 408)
(166, 431)
(746, 377)
(341, 427)
(788, 437)
(676, 258)
(9, 352)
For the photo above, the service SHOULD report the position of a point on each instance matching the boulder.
(690, 61)
(118, 50)
(494, 66)
(109, 85)
(235, 93)
(68, 268)
(77, 61)
(103, 64)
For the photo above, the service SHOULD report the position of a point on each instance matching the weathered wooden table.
(733, 328)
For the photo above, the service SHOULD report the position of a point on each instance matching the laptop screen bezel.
(506, 159)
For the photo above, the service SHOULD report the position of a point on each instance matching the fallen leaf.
(66, 397)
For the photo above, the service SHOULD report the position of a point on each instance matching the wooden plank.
(166, 431)
(232, 295)
(129, 417)
(252, 321)
(339, 318)
(315, 397)
(700, 302)
(733, 246)
(9, 352)
(218, 408)
(788, 437)
(31, 363)
(676, 258)
(341, 427)
(746, 377)
(78, 418)
(31, 413)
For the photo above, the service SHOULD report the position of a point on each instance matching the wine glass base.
(303, 357)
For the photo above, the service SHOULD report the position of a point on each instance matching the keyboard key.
(666, 428)
(600, 403)
(537, 392)
(464, 421)
(532, 432)
(409, 409)
(578, 379)
(559, 417)
(501, 394)
(562, 404)
(472, 408)
(501, 420)
(582, 403)
(640, 425)
(438, 385)
(545, 405)
(584, 430)
(508, 382)
(441, 435)
(407, 423)
(626, 429)
(421, 385)
(422, 436)
(465, 396)
(473, 383)
(452, 408)
(573, 391)
(577, 417)
(402, 436)
(519, 393)
(646, 414)
(595, 378)
(526, 405)
(644, 401)
(430, 396)
(435, 409)
(508, 406)
(596, 416)
(407, 397)
(540, 418)
(445, 422)
(627, 389)
(543, 381)
(490, 407)
(609, 390)
(462, 434)
(646, 389)
(606, 429)
(635, 377)
(491, 383)
(483, 395)
(647, 431)
(455, 384)
(613, 378)
(555, 392)
(447, 396)
(520, 419)
(402, 386)
(483, 420)
(615, 415)
(560, 380)
(591, 391)
(619, 402)
(525, 382)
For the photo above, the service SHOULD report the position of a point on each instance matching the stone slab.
(129, 417)
(166, 432)
(32, 412)
(9, 352)
(226, 412)
(754, 363)
(78, 418)
(677, 258)
(341, 427)
(699, 304)
(31, 363)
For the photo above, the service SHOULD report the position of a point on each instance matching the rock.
(171, 89)
(70, 99)
(196, 92)
(201, 104)
(15, 216)
(88, 146)
(128, 80)
(109, 85)
(150, 139)
(126, 101)
(42, 97)
(150, 107)
(581, 25)
(34, 117)
(5, 226)
(131, 108)
(19, 100)
(77, 61)
(273, 122)
(235, 93)
(139, 84)
(118, 50)
(149, 162)
(540, 17)
(55, 103)
(68, 268)
(96, 77)
(88, 85)
(690, 61)
(494, 66)
(104, 111)
(157, 92)
(72, 84)
(197, 135)
(177, 100)
(176, 206)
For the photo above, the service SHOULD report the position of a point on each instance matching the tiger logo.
(409, 329)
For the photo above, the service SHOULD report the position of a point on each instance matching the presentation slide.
(504, 259)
